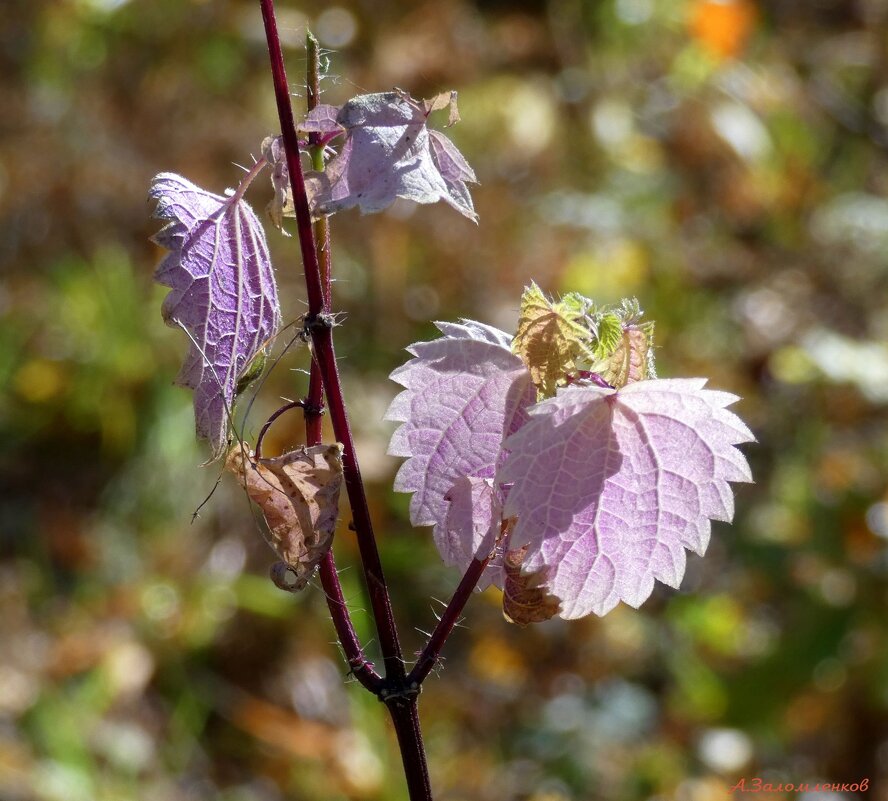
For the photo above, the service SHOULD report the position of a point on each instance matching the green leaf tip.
(557, 339)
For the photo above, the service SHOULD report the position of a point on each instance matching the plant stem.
(313, 410)
(264, 430)
(432, 651)
(247, 180)
(405, 716)
(320, 329)
(360, 666)
(405, 720)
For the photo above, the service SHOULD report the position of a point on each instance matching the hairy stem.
(406, 722)
(404, 714)
(432, 651)
(268, 423)
(247, 180)
(313, 410)
(321, 329)
(360, 666)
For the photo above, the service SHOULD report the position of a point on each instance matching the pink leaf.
(610, 487)
(223, 293)
(454, 169)
(471, 527)
(464, 393)
(388, 153)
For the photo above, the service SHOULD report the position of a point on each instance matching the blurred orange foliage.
(722, 27)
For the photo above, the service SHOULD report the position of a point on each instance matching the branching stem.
(283, 410)
(325, 356)
(397, 690)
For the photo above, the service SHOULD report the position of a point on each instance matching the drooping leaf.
(223, 293)
(299, 496)
(388, 153)
(525, 598)
(454, 169)
(551, 337)
(464, 393)
(610, 487)
(471, 526)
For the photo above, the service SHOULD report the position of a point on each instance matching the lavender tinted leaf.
(464, 393)
(321, 120)
(471, 527)
(223, 294)
(387, 154)
(610, 487)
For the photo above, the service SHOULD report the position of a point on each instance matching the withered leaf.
(525, 599)
(298, 493)
(281, 204)
(441, 101)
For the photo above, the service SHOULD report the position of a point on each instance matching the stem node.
(399, 692)
(316, 322)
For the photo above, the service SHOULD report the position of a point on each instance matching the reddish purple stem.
(397, 690)
(432, 651)
(322, 343)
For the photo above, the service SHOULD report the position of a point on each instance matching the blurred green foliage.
(723, 160)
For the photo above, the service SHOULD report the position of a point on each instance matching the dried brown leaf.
(298, 493)
(441, 101)
(524, 599)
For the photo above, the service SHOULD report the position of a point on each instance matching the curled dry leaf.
(299, 496)
(441, 101)
(525, 599)
(281, 203)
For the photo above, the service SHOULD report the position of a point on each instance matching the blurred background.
(723, 161)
